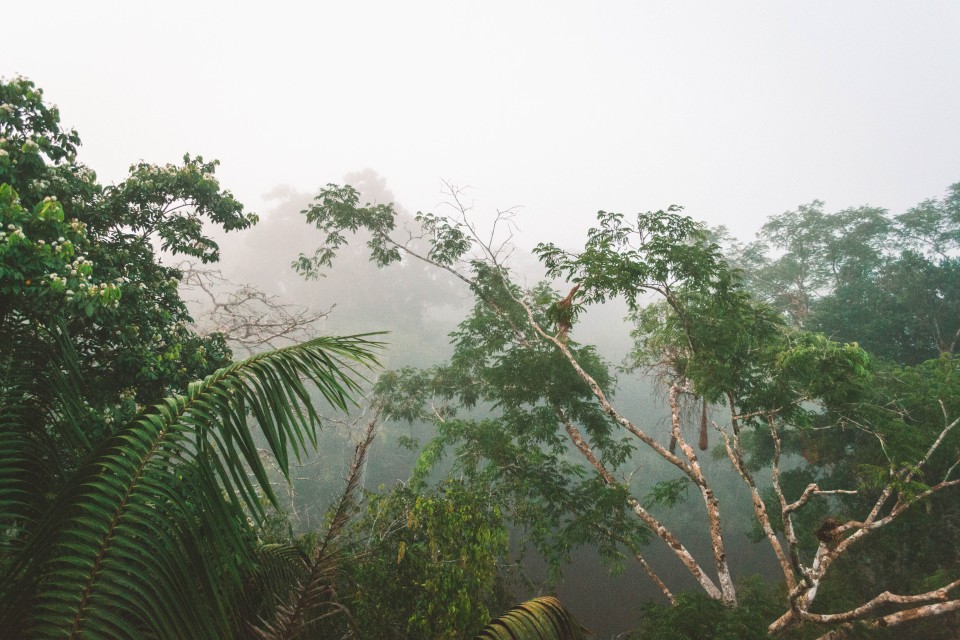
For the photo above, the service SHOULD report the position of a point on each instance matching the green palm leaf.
(151, 528)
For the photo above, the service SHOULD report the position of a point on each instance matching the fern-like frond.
(154, 519)
(33, 389)
(542, 618)
(22, 470)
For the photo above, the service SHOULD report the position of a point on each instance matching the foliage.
(898, 416)
(77, 248)
(177, 476)
(694, 616)
(887, 283)
(551, 441)
(542, 618)
(298, 594)
(526, 396)
(132, 488)
(832, 272)
(426, 564)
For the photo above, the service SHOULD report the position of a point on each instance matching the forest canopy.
(141, 460)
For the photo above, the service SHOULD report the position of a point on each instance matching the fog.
(735, 110)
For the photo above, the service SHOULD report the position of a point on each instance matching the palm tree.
(153, 532)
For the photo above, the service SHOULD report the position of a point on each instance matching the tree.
(426, 563)
(553, 438)
(247, 317)
(132, 492)
(833, 272)
(78, 246)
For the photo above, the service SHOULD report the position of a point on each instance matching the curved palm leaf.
(542, 618)
(141, 540)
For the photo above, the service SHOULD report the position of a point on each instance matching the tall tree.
(553, 437)
(860, 274)
(132, 492)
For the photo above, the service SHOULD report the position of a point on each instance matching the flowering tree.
(132, 492)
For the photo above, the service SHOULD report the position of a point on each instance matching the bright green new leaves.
(44, 262)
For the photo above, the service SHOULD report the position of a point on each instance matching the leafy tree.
(908, 312)
(555, 442)
(932, 228)
(887, 282)
(426, 563)
(77, 248)
(132, 491)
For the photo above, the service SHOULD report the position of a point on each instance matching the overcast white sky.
(736, 110)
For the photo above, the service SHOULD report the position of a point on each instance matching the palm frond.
(542, 618)
(126, 545)
(32, 389)
(22, 469)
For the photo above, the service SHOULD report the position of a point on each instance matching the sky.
(736, 110)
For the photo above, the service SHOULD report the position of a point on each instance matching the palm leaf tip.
(542, 618)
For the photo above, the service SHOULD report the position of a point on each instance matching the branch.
(734, 453)
(245, 315)
(885, 598)
(661, 531)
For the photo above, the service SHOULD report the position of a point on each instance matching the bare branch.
(248, 317)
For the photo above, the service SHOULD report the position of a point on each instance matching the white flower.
(3, 153)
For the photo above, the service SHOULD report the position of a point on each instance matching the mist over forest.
(421, 309)
(372, 320)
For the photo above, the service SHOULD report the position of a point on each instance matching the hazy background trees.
(540, 427)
